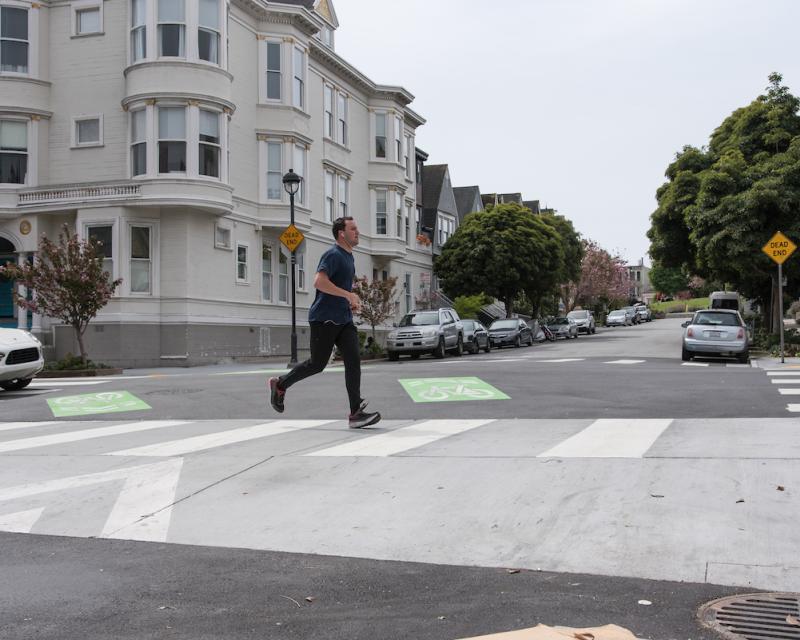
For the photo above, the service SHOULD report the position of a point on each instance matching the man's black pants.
(324, 335)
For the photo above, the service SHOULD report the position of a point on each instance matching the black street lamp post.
(291, 182)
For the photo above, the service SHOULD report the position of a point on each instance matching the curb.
(78, 373)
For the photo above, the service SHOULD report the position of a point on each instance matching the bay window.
(13, 151)
(299, 159)
(138, 30)
(210, 147)
(208, 31)
(398, 227)
(241, 262)
(408, 146)
(329, 201)
(380, 135)
(14, 41)
(300, 260)
(104, 236)
(341, 112)
(141, 259)
(274, 77)
(139, 142)
(266, 272)
(380, 211)
(344, 195)
(274, 171)
(283, 277)
(171, 28)
(171, 140)
(328, 116)
(398, 140)
(299, 64)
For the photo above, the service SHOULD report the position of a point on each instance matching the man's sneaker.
(276, 395)
(361, 419)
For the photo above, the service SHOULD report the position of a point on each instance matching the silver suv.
(436, 331)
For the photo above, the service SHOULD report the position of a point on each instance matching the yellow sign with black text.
(779, 248)
(292, 237)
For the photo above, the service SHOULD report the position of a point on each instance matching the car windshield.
(504, 324)
(723, 319)
(468, 324)
(578, 315)
(559, 321)
(426, 317)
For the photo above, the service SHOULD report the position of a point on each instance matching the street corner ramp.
(754, 616)
(545, 632)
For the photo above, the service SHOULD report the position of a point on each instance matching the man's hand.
(355, 302)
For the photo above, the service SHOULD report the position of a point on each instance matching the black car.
(476, 337)
(510, 331)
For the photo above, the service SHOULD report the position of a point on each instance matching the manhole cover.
(754, 616)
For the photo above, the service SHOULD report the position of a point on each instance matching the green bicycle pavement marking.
(450, 389)
(93, 403)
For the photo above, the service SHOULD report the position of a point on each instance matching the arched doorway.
(7, 309)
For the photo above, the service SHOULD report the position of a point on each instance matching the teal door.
(6, 297)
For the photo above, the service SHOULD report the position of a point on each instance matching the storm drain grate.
(754, 616)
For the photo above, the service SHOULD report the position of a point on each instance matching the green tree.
(468, 306)
(503, 251)
(723, 203)
(668, 280)
(68, 280)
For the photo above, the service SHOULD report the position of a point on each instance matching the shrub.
(74, 363)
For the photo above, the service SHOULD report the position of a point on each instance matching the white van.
(724, 300)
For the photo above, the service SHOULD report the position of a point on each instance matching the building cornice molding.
(286, 136)
(274, 13)
(181, 63)
(25, 111)
(161, 96)
(338, 168)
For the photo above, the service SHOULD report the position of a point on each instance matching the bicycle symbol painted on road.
(450, 389)
(93, 403)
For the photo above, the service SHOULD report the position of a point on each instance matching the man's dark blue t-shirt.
(340, 267)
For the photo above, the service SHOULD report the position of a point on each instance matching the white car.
(20, 358)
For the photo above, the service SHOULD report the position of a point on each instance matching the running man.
(331, 320)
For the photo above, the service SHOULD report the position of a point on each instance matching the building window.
(329, 200)
(171, 28)
(141, 263)
(14, 39)
(299, 78)
(300, 259)
(139, 142)
(380, 135)
(341, 113)
(210, 148)
(88, 20)
(241, 262)
(274, 171)
(222, 238)
(328, 102)
(283, 277)
(300, 170)
(171, 140)
(266, 272)
(380, 211)
(13, 151)
(407, 291)
(344, 195)
(87, 131)
(417, 223)
(408, 223)
(208, 31)
(138, 30)
(273, 71)
(399, 218)
(398, 140)
(104, 235)
(406, 156)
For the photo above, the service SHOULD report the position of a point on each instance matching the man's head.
(345, 232)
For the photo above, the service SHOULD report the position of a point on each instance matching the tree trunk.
(509, 300)
(79, 336)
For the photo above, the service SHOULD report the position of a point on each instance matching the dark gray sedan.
(510, 331)
(563, 328)
(476, 337)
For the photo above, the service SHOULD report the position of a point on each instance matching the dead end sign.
(779, 248)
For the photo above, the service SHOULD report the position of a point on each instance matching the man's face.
(350, 232)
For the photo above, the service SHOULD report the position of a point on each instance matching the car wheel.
(743, 358)
(577, 333)
(488, 347)
(415, 356)
(685, 355)
(439, 351)
(459, 350)
(530, 340)
(16, 384)
(593, 330)
(517, 343)
(393, 355)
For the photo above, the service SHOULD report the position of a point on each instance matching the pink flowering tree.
(68, 280)
(377, 300)
(604, 279)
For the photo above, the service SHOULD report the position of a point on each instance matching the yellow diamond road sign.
(779, 248)
(292, 237)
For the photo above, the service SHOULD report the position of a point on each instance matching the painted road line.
(789, 392)
(563, 360)
(43, 384)
(694, 364)
(86, 434)
(783, 381)
(608, 438)
(624, 361)
(9, 426)
(21, 521)
(794, 408)
(220, 438)
(399, 440)
(737, 365)
(263, 371)
(783, 373)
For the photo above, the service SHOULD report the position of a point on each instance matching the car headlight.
(392, 335)
(429, 333)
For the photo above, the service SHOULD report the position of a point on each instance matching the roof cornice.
(273, 12)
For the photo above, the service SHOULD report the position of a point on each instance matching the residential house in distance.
(162, 128)
(639, 276)
(501, 198)
(439, 211)
(468, 200)
(533, 205)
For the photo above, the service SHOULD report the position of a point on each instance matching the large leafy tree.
(573, 247)
(68, 281)
(503, 252)
(721, 204)
(668, 280)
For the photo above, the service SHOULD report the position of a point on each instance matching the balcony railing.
(79, 194)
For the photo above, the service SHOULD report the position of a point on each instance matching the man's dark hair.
(339, 225)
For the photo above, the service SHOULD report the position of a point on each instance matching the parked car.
(583, 319)
(563, 327)
(20, 358)
(476, 336)
(644, 312)
(618, 318)
(634, 316)
(510, 331)
(436, 332)
(716, 332)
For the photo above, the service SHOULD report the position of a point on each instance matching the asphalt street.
(562, 483)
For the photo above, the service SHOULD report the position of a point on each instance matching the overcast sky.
(580, 104)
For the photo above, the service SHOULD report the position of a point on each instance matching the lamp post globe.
(291, 182)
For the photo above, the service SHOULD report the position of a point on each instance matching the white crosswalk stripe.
(783, 373)
(610, 439)
(782, 381)
(694, 364)
(624, 361)
(789, 392)
(10, 426)
(49, 384)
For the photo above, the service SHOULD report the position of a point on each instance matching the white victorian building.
(163, 128)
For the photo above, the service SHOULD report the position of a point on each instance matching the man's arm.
(323, 283)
